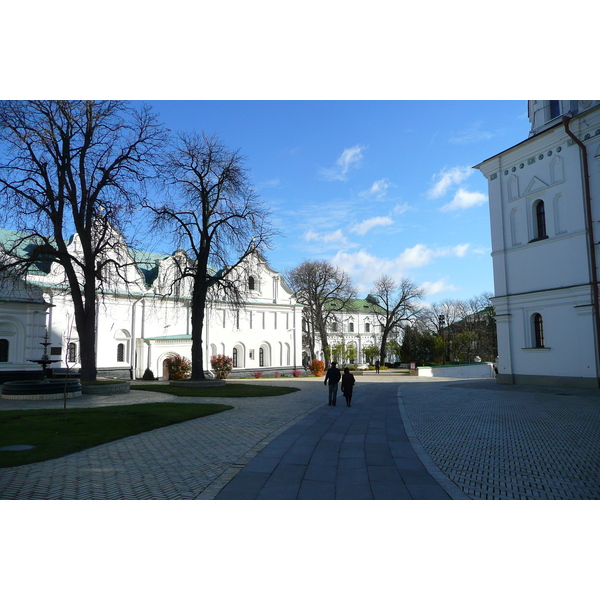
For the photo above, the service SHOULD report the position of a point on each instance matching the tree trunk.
(198, 313)
(85, 317)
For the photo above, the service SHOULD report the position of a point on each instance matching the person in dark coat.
(348, 382)
(377, 365)
(333, 376)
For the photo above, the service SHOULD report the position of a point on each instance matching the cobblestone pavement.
(177, 462)
(360, 452)
(509, 442)
(484, 440)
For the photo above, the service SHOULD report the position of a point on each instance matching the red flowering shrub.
(222, 365)
(317, 367)
(178, 367)
(257, 374)
(296, 373)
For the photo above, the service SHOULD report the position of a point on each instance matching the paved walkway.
(403, 438)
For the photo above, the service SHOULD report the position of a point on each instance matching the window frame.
(538, 330)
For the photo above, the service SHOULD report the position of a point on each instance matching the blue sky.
(375, 187)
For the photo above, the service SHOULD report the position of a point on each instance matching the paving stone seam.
(212, 489)
(447, 484)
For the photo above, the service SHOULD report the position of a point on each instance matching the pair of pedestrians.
(333, 376)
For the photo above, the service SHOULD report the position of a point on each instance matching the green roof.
(356, 305)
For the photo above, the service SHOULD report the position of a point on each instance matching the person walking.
(333, 376)
(377, 365)
(348, 382)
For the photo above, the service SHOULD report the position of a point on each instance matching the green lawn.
(84, 428)
(229, 390)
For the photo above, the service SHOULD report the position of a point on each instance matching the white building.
(544, 198)
(138, 327)
(354, 326)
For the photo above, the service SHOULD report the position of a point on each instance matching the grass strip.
(85, 428)
(229, 390)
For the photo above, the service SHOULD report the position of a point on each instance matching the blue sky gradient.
(375, 187)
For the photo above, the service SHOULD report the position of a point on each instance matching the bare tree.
(440, 319)
(464, 328)
(215, 218)
(397, 304)
(323, 290)
(74, 168)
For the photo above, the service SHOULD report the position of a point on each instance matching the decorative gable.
(535, 185)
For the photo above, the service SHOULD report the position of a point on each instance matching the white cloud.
(446, 178)
(365, 226)
(377, 190)
(464, 199)
(350, 157)
(332, 238)
(400, 209)
(271, 183)
(437, 287)
(364, 268)
(472, 135)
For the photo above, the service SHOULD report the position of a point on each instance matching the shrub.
(257, 374)
(316, 367)
(148, 375)
(222, 365)
(277, 374)
(179, 367)
(296, 373)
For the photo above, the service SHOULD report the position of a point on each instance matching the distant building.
(138, 327)
(544, 199)
(355, 326)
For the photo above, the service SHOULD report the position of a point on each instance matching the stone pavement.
(360, 452)
(510, 442)
(402, 438)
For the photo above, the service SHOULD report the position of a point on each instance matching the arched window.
(351, 327)
(72, 352)
(250, 282)
(123, 338)
(261, 357)
(334, 325)
(540, 221)
(235, 357)
(538, 330)
(367, 327)
(4, 350)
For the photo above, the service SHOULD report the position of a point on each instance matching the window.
(334, 325)
(539, 226)
(351, 327)
(554, 108)
(4, 350)
(261, 357)
(121, 353)
(538, 330)
(235, 357)
(367, 327)
(251, 283)
(72, 352)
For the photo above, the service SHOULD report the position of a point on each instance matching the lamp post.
(442, 323)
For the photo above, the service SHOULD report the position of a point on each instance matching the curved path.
(341, 453)
(403, 438)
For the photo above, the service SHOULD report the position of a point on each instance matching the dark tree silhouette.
(71, 174)
(218, 224)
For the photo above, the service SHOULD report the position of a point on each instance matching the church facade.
(544, 202)
(140, 325)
